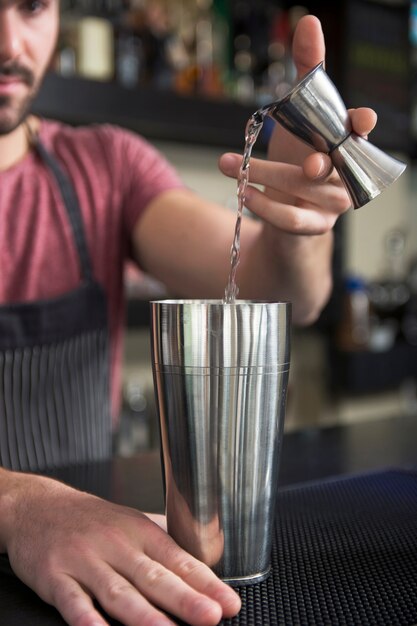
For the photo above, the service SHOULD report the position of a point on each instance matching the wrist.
(9, 490)
(305, 271)
(16, 489)
(292, 250)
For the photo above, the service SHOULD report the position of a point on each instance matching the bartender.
(74, 205)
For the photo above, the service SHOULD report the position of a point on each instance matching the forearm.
(16, 490)
(9, 490)
(289, 268)
(295, 267)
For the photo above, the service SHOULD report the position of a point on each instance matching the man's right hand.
(72, 548)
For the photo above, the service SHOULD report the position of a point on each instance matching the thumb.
(308, 48)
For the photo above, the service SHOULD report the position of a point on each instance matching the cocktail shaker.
(221, 373)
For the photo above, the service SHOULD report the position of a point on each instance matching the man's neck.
(13, 147)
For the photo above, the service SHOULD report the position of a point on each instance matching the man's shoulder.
(94, 148)
(53, 132)
(109, 152)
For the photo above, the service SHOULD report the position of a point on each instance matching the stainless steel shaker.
(220, 373)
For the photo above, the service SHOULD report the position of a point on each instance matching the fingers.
(318, 166)
(327, 192)
(75, 606)
(230, 164)
(308, 48)
(120, 598)
(363, 120)
(157, 582)
(196, 574)
(320, 196)
(129, 582)
(296, 220)
(130, 594)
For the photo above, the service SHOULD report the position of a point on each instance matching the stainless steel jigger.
(314, 111)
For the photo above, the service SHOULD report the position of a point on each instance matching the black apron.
(54, 366)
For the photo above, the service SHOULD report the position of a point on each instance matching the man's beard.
(13, 113)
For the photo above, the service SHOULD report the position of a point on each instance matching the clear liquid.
(253, 128)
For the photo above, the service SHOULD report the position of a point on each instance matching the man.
(61, 219)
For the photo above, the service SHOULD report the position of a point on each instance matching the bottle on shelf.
(353, 332)
(390, 294)
(95, 58)
(237, 49)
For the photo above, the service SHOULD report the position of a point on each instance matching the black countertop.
(308, 456)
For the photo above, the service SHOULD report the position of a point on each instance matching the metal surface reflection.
(221, 374)
(314, 111)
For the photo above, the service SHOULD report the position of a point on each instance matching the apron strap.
(72, 207)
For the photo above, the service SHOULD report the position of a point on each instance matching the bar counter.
(358, 461)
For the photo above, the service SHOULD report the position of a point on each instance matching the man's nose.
(10, 36)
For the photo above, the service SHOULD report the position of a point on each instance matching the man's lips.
(14, 74)
(9, 84)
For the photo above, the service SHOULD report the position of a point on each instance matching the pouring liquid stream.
(253, 128)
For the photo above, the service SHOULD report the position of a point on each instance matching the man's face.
(28, 33)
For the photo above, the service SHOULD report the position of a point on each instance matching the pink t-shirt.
(115, 174)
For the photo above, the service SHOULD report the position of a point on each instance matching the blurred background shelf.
(155, 114)
(195, 70)
(366, 372)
